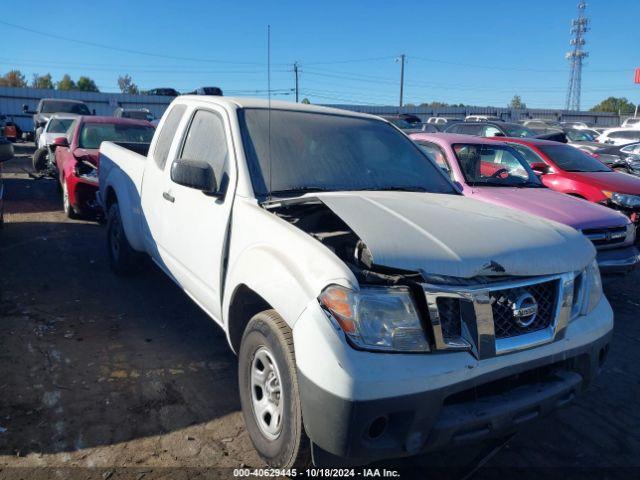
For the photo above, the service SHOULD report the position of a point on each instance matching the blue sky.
(467, 51)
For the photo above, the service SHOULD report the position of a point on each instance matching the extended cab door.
(196, 227)
(153, 181)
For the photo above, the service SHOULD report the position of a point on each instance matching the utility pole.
(401, 59)
(295, 71)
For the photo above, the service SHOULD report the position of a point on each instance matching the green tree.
(42, 81)
(65, 83)
(306, 101)
(85, 84)
(126, 85)
(517, 103)
(13, 78)
(615, 105)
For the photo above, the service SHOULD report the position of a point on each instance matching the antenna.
(269, 101)
(579, 27)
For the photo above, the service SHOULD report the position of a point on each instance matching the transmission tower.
(579, 27)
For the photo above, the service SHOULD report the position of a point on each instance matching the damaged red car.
(76, 156)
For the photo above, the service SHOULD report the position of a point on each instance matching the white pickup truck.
(375, 311)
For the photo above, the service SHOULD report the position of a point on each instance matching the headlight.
(377, 318)
(593, 287)
(623, 199)
(587, 290)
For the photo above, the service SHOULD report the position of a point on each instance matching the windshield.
(571, 159)
(93, 134)
(59, 125)
(64, 107)
(496, 166)
(325, 152)
(518, 131)
(578, 135)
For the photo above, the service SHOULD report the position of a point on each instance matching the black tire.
(40, 160)
(268, 332)
(123, 259)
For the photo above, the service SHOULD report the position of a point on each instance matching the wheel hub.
(266, 393)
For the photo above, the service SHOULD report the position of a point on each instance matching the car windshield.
(571, 159)
(518, 131)
(325, 152)
(93, 134)
(64, 107)
(59, 125)
(578, 135)
(495, 166)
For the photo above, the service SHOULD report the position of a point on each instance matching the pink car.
(496, 173)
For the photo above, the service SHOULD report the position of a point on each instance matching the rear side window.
(469, 129)
(161, 151)
(206, 141)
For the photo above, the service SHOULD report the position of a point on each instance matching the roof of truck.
(248, 102)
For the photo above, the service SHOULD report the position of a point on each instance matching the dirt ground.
(99, 371)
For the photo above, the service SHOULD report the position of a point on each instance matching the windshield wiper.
(299, 190)
(395, 188)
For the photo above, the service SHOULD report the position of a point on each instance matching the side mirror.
(194, 174)
(6, 150)
(61, 142)
(540, 168)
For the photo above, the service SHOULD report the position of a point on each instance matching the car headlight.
(587, 290)
(623, 199)
(376, 318)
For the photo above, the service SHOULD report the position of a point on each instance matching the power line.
(121, 49)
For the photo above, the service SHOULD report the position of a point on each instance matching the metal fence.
(12, 100)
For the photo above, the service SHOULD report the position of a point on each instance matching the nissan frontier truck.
(375, 311)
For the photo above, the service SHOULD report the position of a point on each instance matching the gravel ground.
(98, 371)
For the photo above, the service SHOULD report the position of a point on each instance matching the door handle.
(167, 196)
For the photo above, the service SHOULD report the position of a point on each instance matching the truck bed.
(127, 157)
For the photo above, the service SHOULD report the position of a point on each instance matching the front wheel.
(40, 159)
(269, 392)
(66, 203)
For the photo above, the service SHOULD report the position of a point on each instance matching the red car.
(569, 170)
(77, 157)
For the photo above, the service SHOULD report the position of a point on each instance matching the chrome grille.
(606, 237)
(546, 296)
(496, 317)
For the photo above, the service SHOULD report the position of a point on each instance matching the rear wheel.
(123, 259)
(269, 392)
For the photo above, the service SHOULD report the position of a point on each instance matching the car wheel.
(40, 159)
(66, 204)
(123, 259)
(269, 392)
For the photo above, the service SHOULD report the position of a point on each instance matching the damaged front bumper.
(618, 261)
(359, 406)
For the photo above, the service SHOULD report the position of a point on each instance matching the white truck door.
(196, 223)
(153, 182)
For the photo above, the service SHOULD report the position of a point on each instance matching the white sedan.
(619, 136)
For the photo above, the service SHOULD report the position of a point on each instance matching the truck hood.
(546, 203)
(609, 181)
(455, 236)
